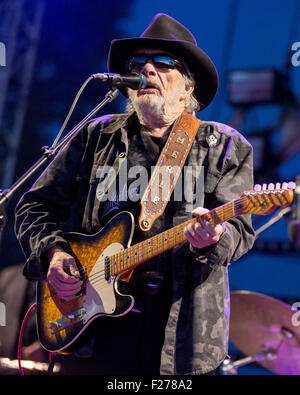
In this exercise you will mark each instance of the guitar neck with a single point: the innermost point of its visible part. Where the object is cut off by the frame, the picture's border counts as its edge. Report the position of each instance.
(145, 250)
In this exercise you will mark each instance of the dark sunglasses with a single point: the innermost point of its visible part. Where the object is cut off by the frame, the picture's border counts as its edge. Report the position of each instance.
(160, 61)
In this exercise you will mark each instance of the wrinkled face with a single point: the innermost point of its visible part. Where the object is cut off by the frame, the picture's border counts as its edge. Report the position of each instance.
(166, 90)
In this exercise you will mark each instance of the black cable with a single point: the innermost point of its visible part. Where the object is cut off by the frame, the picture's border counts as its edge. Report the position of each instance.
(71, 110)
(51, 363)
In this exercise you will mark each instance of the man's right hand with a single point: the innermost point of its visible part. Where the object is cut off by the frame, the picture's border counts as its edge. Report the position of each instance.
(63, 273)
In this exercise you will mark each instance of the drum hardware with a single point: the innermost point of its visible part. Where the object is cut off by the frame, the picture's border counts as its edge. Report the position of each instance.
(230, 367)
(263, 328)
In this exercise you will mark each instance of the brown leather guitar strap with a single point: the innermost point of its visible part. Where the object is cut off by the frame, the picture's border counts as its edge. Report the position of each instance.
(167, 169)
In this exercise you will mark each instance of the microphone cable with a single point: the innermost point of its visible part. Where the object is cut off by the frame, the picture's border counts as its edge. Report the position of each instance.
(51, 359)
(71, 110)
(51, 354)
(21, 337)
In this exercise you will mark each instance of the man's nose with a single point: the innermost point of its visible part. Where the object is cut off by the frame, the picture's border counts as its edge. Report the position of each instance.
(149, 68)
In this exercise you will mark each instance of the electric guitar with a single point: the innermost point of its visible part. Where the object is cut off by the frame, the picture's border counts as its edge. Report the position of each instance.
(105, 258)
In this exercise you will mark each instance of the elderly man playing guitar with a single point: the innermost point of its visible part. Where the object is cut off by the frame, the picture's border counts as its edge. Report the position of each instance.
(160, 306)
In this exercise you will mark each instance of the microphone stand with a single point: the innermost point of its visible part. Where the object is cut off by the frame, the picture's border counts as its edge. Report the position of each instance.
(280, 214)
(48, 155)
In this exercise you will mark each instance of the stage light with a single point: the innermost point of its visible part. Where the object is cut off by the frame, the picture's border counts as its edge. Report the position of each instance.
(257, 86)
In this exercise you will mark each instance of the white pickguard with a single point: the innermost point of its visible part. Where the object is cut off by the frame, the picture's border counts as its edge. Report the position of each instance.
(100, 295)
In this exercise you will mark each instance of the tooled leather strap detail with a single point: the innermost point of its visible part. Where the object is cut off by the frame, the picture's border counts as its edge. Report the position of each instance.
(167, 169)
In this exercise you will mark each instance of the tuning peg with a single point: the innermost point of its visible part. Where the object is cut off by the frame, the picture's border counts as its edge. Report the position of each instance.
(284, 185)
(257, 187)
(278, 185)
(271, 186)
(264, 187)
(291, 185)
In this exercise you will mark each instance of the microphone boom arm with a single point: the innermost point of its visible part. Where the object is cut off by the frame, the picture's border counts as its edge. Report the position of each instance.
(49, 153)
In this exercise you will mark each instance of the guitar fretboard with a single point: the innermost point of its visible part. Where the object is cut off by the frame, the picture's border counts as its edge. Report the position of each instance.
(145, 250)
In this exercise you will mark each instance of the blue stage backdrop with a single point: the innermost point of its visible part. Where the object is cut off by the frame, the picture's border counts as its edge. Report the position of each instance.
(237, 35)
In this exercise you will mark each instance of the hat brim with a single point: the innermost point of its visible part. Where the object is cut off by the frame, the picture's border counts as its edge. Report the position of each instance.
(199, 64)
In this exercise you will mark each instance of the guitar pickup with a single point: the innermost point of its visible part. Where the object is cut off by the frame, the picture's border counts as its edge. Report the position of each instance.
(107, 268)
(66, 320)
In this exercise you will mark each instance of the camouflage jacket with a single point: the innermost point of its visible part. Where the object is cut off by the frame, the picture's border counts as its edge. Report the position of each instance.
(196, 334)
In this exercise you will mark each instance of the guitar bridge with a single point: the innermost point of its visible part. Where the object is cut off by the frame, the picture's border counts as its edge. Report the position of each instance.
(66, 320)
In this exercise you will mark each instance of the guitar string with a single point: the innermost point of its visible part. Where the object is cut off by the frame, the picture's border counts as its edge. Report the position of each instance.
(136, 252)
(238, 204)
(226, 208)
(142, 248)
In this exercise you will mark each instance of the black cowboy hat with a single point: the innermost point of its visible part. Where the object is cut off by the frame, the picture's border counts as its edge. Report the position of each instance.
(167, 34)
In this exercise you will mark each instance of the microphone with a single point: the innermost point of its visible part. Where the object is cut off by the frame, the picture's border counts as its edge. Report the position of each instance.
(294, 225)
(134, 81)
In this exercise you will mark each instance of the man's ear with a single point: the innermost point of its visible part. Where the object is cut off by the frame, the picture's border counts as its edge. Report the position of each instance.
(190, 90)
(187, 92)
(189, 86)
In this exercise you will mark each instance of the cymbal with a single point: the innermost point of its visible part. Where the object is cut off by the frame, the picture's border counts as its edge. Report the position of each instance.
(260, 323)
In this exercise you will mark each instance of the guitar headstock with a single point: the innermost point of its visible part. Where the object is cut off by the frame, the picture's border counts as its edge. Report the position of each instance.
(264, 199)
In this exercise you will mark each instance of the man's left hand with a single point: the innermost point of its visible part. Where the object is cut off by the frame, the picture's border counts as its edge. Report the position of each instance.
(204, 234)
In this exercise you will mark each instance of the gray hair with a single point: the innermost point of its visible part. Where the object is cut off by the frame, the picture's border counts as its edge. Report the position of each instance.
(191, 103)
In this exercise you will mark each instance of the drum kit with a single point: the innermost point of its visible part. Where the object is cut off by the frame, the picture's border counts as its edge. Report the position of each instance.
(267, 331)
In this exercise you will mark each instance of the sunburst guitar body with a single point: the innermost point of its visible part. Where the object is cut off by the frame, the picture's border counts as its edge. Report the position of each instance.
(61, 322)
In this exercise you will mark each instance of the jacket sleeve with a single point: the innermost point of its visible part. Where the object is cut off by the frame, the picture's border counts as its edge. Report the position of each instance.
(42, 211)
(235, 177)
